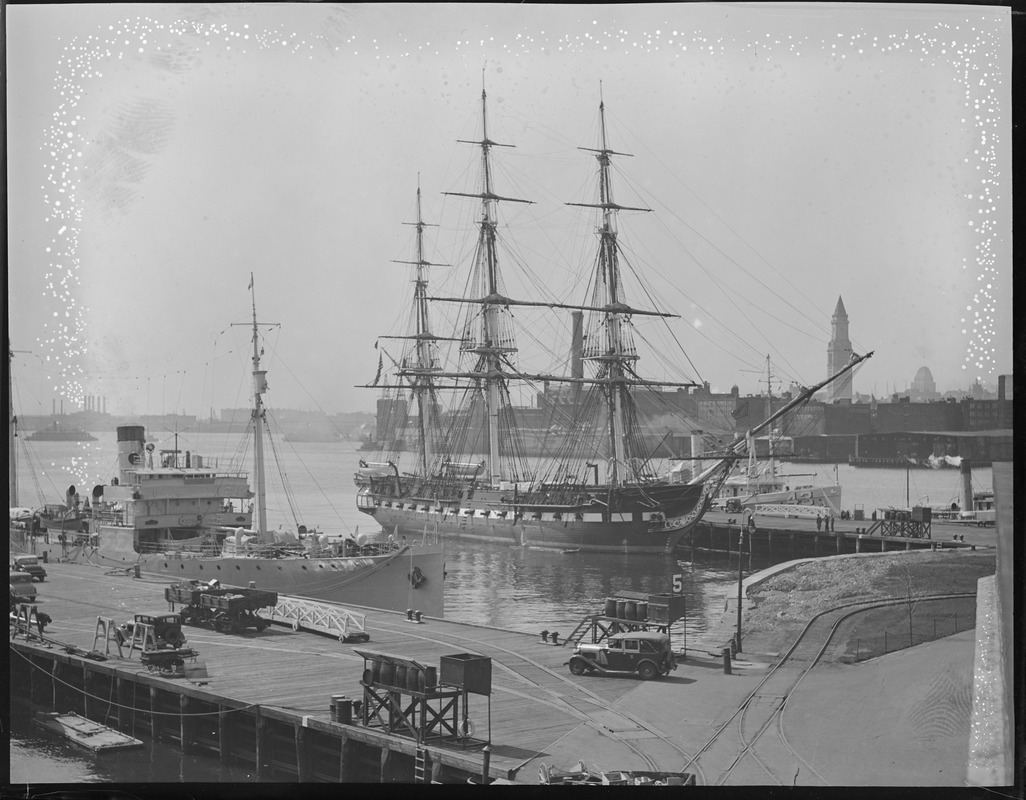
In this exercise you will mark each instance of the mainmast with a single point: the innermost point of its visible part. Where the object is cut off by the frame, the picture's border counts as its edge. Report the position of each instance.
(492, 342)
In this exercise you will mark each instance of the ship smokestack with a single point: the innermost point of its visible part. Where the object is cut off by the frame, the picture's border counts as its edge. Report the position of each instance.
(577, 345)
(967, 485)
(131, 448)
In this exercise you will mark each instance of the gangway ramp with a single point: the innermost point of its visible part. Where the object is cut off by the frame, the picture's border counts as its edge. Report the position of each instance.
(303, 614)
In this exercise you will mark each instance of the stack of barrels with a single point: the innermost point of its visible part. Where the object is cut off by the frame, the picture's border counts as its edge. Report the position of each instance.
(622, 608)
(402, 676)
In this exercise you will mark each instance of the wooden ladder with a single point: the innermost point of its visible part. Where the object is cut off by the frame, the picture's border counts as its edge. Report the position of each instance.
(420, 766)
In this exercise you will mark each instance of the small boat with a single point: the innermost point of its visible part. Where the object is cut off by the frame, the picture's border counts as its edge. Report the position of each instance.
(582, 776)
(86, 733)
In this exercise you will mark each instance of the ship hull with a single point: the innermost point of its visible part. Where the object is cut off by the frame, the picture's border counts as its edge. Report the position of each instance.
(490, 517)
(381, 581)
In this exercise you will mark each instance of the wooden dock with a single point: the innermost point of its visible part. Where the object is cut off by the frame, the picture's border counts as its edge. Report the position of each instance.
(798, 537)
(265, 698)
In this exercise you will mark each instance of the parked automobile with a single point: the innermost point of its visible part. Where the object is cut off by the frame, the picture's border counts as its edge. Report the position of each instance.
(22, 588)
(31, 565)
(645, 652)
(167, 629)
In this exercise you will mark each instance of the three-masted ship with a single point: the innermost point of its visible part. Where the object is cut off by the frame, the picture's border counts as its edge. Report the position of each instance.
(599, 490)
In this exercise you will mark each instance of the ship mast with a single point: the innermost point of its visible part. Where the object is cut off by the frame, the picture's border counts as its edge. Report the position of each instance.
(258, 417)
(259, 387)
(613, 349)
(492, 343)
(426, 360)
(12, 450)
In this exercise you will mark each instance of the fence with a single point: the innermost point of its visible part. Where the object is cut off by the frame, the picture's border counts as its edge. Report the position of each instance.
(895, 628)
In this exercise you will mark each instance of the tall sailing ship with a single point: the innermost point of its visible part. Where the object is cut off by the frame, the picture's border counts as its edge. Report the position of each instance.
(472, 478)
(177, 516)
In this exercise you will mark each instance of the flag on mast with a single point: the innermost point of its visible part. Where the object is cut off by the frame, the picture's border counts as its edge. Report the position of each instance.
(250, 282)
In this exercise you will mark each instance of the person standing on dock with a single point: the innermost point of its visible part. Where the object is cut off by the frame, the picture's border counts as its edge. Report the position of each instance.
(819, 522)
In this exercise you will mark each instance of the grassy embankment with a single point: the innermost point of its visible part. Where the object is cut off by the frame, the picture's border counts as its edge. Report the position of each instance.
(780, 607)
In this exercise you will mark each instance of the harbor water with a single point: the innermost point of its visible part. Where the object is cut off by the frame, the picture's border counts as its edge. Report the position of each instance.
(509, 587)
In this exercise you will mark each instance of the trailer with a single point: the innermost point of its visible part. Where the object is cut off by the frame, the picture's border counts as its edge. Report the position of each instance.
(227, 609)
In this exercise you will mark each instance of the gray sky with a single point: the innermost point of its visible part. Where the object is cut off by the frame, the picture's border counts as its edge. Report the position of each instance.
(791, 153)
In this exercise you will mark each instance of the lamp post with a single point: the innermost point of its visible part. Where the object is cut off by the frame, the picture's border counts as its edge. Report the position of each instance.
(740, 545)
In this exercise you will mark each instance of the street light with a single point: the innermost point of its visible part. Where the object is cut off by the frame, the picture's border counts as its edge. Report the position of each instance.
(740, 545)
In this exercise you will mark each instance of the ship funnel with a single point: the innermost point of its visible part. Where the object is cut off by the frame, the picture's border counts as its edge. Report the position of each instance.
(967, 485)
(131, 444)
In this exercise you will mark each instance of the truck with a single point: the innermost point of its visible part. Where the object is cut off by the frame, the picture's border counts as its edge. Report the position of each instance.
(31, 565)
(226, 609)
(646, 653)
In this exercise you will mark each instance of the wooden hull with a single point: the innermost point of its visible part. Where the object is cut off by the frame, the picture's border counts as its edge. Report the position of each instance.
(85, 733)
(489, 516)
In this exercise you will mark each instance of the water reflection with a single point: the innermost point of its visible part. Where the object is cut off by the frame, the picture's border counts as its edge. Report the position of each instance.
(529, 590)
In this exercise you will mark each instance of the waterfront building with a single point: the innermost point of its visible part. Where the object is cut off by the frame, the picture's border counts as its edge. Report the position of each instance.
(923, 386)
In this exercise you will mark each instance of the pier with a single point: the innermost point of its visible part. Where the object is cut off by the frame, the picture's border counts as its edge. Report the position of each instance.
(281, 699)
(798, 537)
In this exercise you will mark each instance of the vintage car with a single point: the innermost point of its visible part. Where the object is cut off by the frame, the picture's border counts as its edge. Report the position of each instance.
(167, 629)
(647, 653)
(22, 589)
(31, 565)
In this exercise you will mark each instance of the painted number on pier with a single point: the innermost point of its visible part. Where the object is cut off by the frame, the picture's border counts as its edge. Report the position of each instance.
(678, 583)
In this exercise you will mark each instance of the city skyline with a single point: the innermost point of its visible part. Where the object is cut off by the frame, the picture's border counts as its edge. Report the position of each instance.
(164, 153)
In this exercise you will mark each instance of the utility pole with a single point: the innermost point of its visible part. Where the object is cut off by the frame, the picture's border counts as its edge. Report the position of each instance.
(740, 545)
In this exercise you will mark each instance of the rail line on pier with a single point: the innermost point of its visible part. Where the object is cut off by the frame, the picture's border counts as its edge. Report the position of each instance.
(763, 709)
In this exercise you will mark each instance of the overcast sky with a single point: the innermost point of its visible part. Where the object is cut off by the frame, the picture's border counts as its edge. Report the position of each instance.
(791, 154)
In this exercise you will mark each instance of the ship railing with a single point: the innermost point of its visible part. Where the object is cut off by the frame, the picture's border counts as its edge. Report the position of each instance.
(185, 549)
(320, 617)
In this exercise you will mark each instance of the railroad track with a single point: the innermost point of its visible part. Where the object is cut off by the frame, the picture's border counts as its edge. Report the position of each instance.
(556, 686)
(751, 746)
